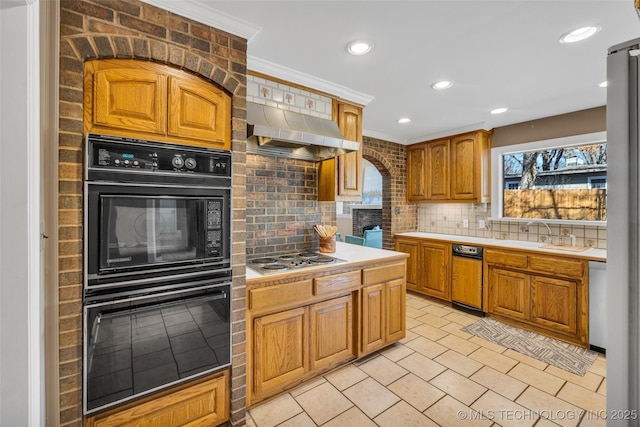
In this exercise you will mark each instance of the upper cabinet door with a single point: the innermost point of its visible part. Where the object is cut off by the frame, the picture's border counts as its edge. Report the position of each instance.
(464, 167)
(455, 169)
(416, 172)
(438, 170)
(146, 100)
(131, 99)
(340, 179)
(199, 110)
(350, 174)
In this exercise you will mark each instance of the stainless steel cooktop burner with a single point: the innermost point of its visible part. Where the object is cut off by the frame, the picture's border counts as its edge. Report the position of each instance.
(280, 263)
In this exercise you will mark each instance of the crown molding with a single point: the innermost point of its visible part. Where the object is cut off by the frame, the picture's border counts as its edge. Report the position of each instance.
(205, 14)
(449, 132)
(384, 137)
(290, 75)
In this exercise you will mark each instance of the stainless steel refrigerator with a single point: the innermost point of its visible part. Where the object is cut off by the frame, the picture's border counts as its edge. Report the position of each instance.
(623, 214)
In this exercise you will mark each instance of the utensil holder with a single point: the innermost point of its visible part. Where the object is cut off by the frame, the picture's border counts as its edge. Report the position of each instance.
(328, 244)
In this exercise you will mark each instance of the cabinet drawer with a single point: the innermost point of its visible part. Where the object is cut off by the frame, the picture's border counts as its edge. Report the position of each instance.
(206, 403)
(383, 274)
(337, 282)
(280, 295)
(557, 266)
(511, 259)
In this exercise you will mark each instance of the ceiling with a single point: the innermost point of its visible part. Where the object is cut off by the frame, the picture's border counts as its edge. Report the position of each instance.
(496, 53)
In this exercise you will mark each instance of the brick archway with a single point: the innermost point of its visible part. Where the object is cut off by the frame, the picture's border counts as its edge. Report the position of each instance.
(88, 47)
(390, 160)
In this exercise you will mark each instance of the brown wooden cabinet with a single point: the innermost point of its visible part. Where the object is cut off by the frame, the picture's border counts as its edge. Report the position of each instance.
(428, 266)
(205, 403)
(454, 169)
(438, 170)
(544, 293)
(435, 265)
(508, 293)
(554, 303)
(373, 318)
(280, 349)
(147, 100)
(303, 324)
(416, 176)
(331, 332)
(383, 306)
(341, 178)
(412, 248)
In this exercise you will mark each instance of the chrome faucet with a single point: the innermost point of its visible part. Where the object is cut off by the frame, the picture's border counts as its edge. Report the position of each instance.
(526, 228)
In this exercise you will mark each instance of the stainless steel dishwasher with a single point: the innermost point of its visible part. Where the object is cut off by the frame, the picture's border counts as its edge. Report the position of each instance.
(466, 278)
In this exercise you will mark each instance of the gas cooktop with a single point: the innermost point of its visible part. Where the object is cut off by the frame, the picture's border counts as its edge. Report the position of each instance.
(287, 262)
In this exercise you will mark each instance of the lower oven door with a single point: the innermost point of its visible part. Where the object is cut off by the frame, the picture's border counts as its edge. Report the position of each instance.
(141, 344)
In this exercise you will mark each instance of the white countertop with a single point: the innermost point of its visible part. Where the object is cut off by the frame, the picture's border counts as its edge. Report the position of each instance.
(345, 251)
(591, 253)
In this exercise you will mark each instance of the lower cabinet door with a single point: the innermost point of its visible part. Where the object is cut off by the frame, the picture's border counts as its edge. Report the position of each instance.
(280, 349)
(509, 293)
(435, 270)
(331, 332)
(395, 307)
(554, 304)
(203, 404)
(373, 317)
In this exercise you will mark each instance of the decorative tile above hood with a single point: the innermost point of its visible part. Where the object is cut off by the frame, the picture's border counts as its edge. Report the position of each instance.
(278, 132)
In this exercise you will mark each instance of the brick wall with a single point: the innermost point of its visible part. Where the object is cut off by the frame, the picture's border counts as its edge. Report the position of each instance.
(391, 160)
(132, 29)
(364, 217)
(282, 205)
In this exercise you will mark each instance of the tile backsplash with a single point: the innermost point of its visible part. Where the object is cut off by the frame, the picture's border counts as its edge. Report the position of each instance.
(448, 218)
(267, 92)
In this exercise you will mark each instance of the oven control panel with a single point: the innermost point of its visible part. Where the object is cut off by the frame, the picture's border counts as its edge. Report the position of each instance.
(106, 151)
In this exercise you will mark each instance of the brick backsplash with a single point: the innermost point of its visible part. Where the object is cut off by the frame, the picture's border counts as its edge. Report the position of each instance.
(447, 218)
(282, 205)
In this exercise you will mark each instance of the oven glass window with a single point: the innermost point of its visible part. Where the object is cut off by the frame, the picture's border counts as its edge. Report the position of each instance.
(135, 347)
(143, 231)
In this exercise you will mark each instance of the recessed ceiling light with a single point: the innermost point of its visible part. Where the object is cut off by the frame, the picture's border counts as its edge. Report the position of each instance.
(498, 110)
(579, 34)
(359, 47)
(441, 85)
(404, 120)
(603, 84)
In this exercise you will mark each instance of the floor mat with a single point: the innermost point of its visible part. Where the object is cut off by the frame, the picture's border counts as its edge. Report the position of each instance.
(569, 357)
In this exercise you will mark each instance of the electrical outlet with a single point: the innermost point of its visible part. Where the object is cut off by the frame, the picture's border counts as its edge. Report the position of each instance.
(481, 223)
(465, 223)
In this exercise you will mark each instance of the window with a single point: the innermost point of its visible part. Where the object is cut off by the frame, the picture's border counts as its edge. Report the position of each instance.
(560, 180)
(372, 188)
(597, 182)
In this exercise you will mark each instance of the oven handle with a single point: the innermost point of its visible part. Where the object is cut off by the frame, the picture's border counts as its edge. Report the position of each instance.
(154, 306)
(168, 293)
(155, 185)
(147, 280)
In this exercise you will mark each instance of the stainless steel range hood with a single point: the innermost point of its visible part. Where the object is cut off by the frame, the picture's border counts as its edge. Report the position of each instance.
(278, 132)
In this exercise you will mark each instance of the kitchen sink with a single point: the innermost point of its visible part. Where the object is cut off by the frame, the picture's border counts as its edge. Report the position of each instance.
(567, 248)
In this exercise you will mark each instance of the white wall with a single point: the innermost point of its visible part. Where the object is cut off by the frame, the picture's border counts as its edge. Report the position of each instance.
(20, 330)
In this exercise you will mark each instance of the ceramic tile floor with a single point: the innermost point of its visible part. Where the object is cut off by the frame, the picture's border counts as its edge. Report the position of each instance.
(441, 376)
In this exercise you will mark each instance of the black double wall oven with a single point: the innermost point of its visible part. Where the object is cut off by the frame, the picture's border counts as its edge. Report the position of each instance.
(157, 288)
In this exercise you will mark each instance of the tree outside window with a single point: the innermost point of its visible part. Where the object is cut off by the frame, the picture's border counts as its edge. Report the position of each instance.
(559, 183)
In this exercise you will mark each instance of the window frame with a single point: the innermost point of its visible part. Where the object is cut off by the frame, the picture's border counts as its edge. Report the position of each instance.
(497, 172)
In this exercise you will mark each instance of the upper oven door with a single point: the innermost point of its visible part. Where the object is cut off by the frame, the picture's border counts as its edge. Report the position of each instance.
(137, 230)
